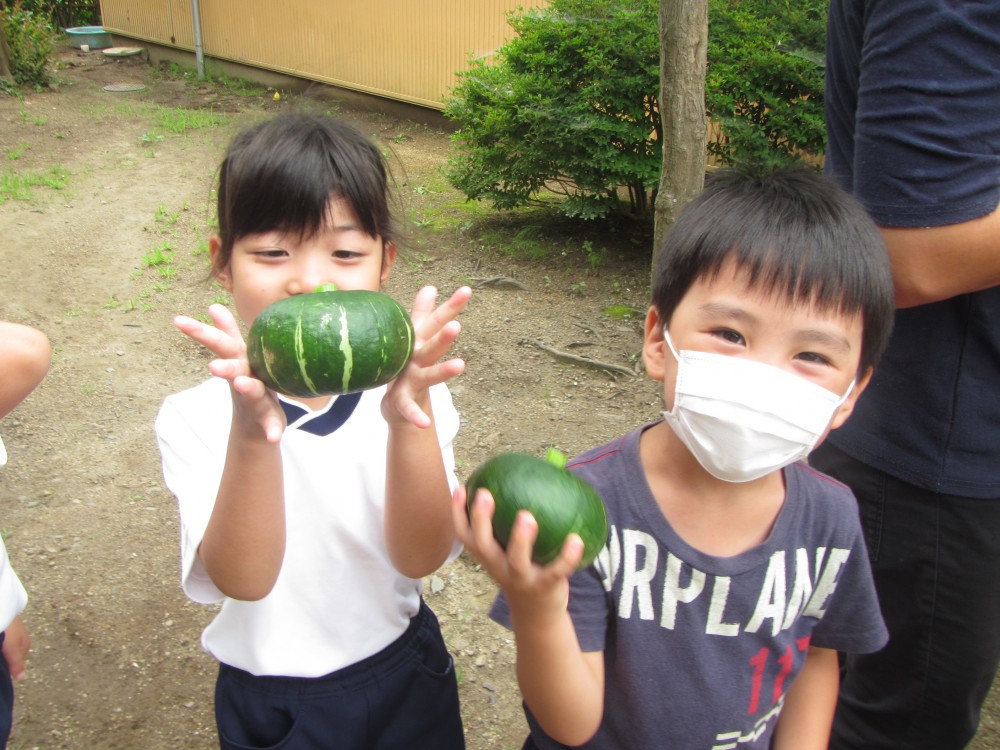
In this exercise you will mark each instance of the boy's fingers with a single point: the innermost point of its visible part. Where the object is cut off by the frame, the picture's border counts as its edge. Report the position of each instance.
(522, 540)
(459, 517)
(570, 556)
(483, 507)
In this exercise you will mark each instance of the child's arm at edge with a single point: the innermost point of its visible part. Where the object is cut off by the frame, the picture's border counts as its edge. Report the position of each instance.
(25, 354)
(16, 645)
(807, 716)
(418, 528)
(562, 685)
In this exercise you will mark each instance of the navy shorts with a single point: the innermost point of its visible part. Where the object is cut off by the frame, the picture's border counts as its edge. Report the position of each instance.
(403, 698)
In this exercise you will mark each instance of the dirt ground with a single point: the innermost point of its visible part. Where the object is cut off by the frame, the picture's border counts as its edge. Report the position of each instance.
(104, 261)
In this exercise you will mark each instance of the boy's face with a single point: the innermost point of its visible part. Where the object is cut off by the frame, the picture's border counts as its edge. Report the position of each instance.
(267, 267)
(726, 316)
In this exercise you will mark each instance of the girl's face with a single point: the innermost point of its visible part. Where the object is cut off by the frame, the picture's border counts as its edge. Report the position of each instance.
(267, 267)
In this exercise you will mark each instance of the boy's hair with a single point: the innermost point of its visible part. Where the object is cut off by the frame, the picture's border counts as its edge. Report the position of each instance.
(794, 233)
(280, 174)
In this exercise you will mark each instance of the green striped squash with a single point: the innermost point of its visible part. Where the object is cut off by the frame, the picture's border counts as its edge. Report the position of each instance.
(560, 501)
(330, 342)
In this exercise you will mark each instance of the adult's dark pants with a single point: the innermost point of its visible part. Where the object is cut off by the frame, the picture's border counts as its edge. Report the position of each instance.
(936, 562)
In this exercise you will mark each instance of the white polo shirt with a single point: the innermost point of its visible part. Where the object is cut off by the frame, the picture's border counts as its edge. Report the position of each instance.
(337, 599)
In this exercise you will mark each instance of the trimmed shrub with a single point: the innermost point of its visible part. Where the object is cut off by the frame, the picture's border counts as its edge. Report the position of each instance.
(569, 105)
(31, 40)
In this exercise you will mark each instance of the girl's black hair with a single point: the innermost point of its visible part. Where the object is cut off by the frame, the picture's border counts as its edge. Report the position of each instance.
(794, 233)
(280, 174)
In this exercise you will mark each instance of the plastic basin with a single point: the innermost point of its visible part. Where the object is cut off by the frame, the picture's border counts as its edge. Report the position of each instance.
(94, 37)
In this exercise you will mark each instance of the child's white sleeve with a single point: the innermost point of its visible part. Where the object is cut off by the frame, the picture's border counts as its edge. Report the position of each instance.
(13, 597)
(446, 422)
(192, 470)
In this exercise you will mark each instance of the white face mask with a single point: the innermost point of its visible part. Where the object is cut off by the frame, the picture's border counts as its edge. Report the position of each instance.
(743, 419)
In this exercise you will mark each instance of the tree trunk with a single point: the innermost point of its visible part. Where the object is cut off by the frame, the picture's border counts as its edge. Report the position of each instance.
(683, 54)
(5, 57)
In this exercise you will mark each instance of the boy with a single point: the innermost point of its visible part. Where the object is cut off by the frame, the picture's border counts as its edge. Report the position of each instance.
(733, 573)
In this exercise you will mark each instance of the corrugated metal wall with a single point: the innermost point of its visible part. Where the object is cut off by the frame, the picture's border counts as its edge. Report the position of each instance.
(402, 49)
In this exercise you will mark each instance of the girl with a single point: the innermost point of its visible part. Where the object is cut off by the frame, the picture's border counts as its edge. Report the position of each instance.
(312, 520)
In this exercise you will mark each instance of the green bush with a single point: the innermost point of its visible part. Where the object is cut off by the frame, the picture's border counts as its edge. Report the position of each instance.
(63, 13)
(30, 36)
(569, 105)
(764, 84)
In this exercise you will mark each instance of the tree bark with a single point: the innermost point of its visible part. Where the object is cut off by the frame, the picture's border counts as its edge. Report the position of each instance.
(683, 57)
(5, 57)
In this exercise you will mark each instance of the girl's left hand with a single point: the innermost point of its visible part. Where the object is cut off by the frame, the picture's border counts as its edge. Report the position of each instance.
(436, 330)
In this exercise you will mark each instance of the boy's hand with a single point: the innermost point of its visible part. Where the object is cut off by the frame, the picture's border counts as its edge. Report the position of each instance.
(253, 404)
(531, 589)
(436, 329)
(16, 644)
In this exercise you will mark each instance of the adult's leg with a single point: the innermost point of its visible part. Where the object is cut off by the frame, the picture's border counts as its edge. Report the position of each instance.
(936, 562)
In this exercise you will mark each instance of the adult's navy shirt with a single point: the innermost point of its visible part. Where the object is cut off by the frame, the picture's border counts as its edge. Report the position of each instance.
(913, 120)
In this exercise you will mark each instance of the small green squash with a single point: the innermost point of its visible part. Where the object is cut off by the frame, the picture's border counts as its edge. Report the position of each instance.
(330, 342)
(560, 501)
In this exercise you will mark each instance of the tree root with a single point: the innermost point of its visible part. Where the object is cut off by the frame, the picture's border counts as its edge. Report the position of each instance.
(586, 361)
(499, 281)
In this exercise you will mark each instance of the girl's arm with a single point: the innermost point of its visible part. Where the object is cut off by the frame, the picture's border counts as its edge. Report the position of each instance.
(25, 354)
(806, 719)
(418, 527)
(244, 543)
(562, 685)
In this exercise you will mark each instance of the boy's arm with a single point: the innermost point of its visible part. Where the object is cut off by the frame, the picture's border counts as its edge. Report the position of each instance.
(807, 716)
(25, 354)
(418, 528)
(562, 685)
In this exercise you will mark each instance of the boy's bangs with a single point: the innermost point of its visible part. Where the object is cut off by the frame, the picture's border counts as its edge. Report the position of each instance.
(803, 276)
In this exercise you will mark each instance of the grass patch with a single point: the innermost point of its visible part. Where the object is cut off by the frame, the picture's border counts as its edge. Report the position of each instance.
(180, 121)
(19, 187)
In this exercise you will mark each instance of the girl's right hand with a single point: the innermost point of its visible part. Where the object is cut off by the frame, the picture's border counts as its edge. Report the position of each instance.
(542, 590)
(254, 406)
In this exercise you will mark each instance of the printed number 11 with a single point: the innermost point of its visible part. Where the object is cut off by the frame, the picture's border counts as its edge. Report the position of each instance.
(759, 663)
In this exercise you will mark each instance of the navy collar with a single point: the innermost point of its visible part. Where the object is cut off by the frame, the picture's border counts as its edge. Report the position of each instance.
(329, 421)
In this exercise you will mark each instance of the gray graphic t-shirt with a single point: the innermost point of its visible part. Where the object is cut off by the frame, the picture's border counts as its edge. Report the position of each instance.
(701, 650)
